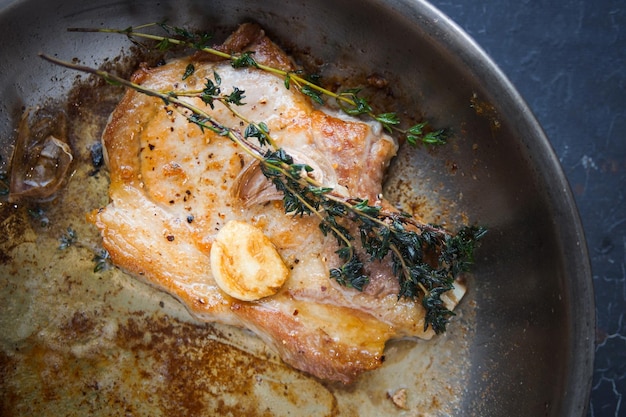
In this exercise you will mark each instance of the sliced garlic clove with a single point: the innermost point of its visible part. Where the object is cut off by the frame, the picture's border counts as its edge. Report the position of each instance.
(41, 159)
(245, 263)
(252, 187)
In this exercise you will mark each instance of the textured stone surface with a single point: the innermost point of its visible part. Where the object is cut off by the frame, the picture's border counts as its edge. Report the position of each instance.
(568, 60)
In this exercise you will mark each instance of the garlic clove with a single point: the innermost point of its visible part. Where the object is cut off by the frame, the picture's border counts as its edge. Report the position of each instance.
(252, 187)
(245, 263)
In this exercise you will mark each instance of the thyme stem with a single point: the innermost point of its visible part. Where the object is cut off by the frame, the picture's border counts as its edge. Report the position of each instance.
(352, 103)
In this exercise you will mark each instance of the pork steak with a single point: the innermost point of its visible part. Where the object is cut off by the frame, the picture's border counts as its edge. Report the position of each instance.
(173, 186)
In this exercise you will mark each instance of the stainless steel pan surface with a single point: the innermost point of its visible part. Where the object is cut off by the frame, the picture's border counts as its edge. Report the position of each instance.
(79, 340)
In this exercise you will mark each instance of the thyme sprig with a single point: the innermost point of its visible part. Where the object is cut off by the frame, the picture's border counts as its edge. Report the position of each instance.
(426, 259)
(350, 101)
(101, 256)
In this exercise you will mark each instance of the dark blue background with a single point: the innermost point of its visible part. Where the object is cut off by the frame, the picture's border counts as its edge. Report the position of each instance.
(568, 60)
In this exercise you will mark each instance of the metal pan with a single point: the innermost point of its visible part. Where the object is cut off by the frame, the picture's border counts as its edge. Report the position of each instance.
(75, 341)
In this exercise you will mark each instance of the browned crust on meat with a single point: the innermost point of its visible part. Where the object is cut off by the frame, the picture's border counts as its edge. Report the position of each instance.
(319, 353)
(251, 37)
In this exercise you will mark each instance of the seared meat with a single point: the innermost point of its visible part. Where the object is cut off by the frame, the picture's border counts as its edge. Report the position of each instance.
(173, 187)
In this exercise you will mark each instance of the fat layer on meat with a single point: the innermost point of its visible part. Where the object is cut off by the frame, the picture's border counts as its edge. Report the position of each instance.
(173, 186)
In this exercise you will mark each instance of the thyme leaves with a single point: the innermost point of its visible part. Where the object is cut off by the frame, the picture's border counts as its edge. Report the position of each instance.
(68, 239)
(102, 261)
(189, 71)
(101, 258)
(421, 133)
(243, 60)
